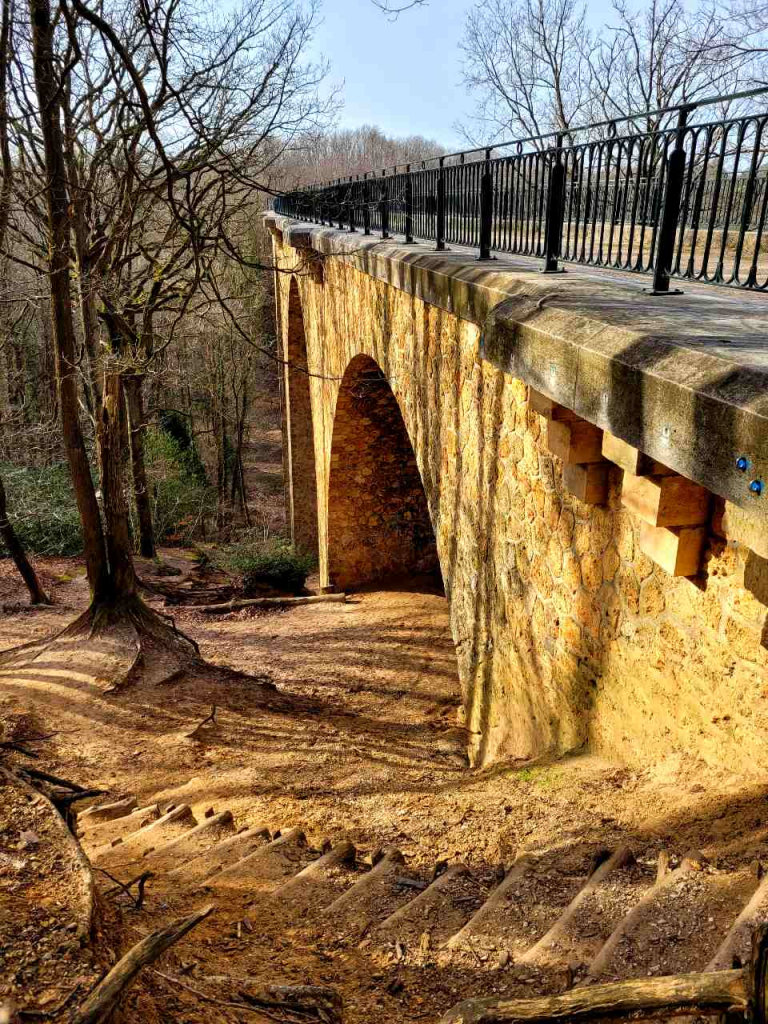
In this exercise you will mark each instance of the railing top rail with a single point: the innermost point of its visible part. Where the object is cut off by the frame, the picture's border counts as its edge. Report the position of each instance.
(484, 151)
(675, 198)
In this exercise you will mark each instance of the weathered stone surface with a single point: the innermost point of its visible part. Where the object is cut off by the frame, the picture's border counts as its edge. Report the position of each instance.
(566, 633)
(746, 528)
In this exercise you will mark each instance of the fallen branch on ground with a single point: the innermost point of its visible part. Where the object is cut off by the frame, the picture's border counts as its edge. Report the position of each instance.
(715, 993)
(125, 887)
(269, 602)
(104, 997)
(211, 718)
(54, 780)
(8, 745)
(324, 1004)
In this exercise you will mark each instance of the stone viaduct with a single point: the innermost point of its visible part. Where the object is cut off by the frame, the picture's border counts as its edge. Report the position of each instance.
(586, 464)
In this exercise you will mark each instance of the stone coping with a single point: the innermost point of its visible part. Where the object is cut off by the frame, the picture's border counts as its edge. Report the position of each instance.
(684, 378)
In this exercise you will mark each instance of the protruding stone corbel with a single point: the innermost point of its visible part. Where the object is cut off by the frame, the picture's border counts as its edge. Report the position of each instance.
(631, 459)
(677, 551)
(578, 444)
(673, 513)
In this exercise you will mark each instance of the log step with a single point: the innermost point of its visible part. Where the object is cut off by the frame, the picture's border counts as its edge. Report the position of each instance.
(221, 855)
(737, 943)
(585, 925)
(194, 841)
(107, 812)
(372, 898)
(265, 868)
(440, 911)
(320, 882)
(678, 926)
(172, 824)
(524, 907)
(95, 834)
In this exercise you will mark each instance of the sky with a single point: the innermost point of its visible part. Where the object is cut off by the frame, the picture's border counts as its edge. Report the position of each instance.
(403, 76)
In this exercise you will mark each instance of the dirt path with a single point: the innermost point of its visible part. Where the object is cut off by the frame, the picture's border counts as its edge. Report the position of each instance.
(354, 738)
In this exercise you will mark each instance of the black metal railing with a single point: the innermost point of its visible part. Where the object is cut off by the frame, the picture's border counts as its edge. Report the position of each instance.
(680, 199)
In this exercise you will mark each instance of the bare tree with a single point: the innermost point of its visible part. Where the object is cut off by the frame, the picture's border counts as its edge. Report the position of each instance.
(393, 9)
(527, 63)
(660, 55)
(157, 124)
(351, 151)
(15, 548)
(536, 67)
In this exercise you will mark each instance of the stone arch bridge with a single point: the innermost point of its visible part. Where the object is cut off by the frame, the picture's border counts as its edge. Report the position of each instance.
(586, 466)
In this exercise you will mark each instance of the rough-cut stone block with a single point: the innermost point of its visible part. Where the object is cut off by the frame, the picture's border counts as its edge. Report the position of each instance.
(746, 529)
(631, 460)
(575, 441)
(588, 481)
(666, 500)
(548, 407)
(677, 551)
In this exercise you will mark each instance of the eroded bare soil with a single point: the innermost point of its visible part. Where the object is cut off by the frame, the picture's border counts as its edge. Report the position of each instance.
(357, 740)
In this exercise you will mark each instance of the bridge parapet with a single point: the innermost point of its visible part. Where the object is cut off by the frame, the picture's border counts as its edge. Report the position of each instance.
(595, 465)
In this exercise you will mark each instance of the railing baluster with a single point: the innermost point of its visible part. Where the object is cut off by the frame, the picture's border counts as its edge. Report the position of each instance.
(408, 205)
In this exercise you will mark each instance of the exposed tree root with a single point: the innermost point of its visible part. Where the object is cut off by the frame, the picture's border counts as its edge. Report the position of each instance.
(122, 641)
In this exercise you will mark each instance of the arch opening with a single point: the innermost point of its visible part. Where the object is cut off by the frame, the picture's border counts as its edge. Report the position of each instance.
(379, 527)
(302, 471)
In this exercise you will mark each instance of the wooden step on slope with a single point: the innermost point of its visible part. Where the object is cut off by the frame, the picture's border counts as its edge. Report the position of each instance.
(604, 900)
(372, 898)
(263, 870)
(221, 854)
(737, 944)
(138, 844)
(107, 811)
(196, 840)
(100, 833)
(320, 882)
(437, 913)
(679, 925)
(524, 906)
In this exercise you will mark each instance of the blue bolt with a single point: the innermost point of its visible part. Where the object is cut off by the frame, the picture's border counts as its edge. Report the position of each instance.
(742, 464)
(756, 487)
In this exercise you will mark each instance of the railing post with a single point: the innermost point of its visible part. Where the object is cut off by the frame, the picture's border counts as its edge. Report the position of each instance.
(366, 207)
(555, 212)
(408, 205)
(340, 201)
(440, 226)
(486, 209)
(351, 207)
(670, 212)
(384, 206)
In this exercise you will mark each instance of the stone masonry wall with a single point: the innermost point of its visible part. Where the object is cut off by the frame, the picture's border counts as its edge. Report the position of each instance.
(302, 482)
(566, 633)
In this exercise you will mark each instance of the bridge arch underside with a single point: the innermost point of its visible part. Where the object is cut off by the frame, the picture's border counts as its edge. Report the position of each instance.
(379, 526)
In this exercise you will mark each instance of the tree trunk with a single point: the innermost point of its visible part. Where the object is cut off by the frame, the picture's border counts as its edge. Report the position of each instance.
(112, 432)
(134, 399)
(57, 201)
(36, 593)
(222, 463)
